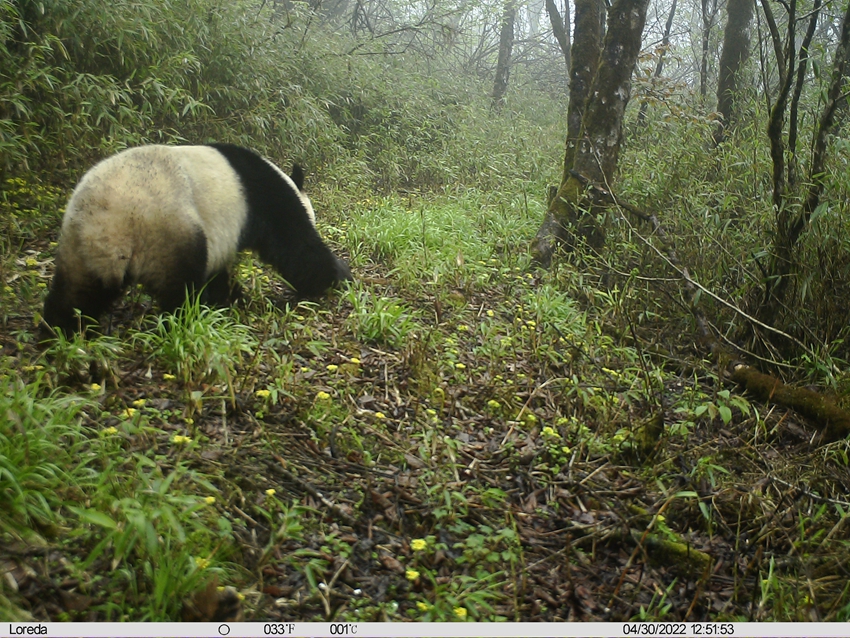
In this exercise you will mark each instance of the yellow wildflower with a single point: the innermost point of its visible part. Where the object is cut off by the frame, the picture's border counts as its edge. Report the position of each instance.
(270, 491)
(322, 396)
(411, 574)
(418, 544)
(179, 439)
(461, 612)
(422, 606)
(263, 394)
(168, 377)
(332, 367)
(209, 500)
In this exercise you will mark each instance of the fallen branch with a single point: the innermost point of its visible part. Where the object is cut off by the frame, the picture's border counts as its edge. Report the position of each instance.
(831, 420)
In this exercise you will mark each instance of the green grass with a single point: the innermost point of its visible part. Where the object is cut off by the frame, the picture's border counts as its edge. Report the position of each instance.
(67, 481)
(474, 413)
(199, 345)
(45, 456)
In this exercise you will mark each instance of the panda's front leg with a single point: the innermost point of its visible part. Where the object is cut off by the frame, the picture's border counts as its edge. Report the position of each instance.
(221, 290)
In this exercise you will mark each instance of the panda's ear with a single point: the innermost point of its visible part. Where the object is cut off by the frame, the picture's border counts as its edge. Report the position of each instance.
(298, 176)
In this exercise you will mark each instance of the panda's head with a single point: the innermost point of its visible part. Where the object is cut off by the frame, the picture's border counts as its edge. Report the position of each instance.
(343, 272)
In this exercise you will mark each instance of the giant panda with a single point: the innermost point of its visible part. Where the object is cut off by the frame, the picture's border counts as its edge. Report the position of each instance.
(174, 218)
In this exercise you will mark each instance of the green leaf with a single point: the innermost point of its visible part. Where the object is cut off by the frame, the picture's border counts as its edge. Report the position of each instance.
(820, 210)
(95, 517)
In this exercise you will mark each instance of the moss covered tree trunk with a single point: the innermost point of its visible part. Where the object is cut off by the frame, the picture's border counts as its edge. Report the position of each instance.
(587, 46)
(572, 214)
(736, 50)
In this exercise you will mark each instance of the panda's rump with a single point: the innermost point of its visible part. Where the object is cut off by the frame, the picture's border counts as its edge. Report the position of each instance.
(130, 221)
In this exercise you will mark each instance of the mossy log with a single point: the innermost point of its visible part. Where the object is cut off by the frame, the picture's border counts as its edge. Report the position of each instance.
(666, 548)
(831, 420)
(678, 556)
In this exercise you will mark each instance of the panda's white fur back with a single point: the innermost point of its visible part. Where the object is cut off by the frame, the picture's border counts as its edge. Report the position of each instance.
(125, 206)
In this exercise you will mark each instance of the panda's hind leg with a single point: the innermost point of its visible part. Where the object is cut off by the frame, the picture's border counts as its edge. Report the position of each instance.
(221, 290)
(183, 269)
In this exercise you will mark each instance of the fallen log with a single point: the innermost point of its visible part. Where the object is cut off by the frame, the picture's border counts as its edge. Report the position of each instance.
(832, 421)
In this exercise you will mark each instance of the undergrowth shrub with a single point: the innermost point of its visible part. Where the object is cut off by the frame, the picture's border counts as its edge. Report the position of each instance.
(81, 80)
(199, 344)
(715, 204)
(379, 319)
(43, 454)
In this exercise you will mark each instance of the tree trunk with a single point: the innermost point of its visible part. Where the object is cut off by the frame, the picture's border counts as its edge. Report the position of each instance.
(560, 27)
(665, 42)
(506, 45)
(533, 10)
(736, 50)
(571, 217)
(709, 10)
(792, 221)
(802, 68)
(587, 44)
(843, 107)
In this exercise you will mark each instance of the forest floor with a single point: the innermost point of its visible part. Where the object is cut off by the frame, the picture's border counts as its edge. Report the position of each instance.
(456, 435)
